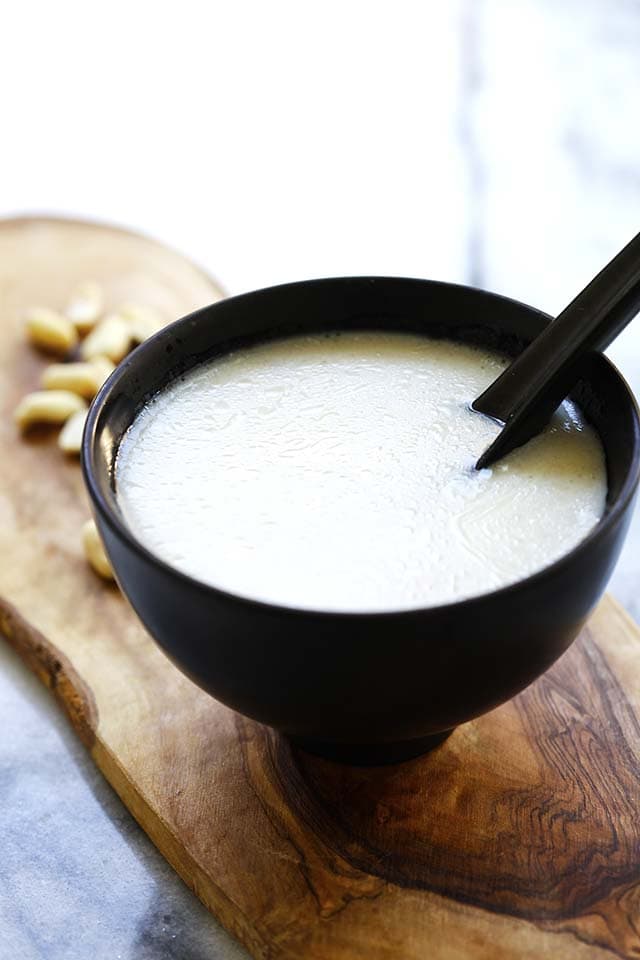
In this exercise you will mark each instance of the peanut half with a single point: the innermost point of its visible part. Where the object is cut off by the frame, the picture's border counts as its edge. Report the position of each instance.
(85, 306)
(50, 331)
(94, 551)
(143, 321)
(47, 406)
(110, 338)
(70, 437)
(84, 379)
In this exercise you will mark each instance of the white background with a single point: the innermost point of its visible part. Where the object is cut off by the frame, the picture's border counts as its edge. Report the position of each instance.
(282, 140)
(269, 140)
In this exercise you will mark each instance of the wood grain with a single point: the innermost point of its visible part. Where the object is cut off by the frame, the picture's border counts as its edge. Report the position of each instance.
(518, 837)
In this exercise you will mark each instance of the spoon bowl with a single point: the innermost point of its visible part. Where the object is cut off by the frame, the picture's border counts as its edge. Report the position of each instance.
(360, 687)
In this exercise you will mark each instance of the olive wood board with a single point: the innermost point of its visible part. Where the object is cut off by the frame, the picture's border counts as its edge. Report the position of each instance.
(518, 837)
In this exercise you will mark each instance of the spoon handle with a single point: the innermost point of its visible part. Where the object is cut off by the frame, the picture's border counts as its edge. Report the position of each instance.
(527, 393)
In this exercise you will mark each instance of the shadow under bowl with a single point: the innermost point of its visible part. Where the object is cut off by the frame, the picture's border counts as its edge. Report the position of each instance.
(363, 688)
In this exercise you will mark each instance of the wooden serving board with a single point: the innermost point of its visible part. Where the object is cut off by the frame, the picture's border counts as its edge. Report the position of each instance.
(519, 837)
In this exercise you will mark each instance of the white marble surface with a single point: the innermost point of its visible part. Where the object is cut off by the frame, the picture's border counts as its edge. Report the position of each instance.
(487, 141)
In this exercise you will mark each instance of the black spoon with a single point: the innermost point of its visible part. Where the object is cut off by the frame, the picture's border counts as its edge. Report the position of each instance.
(527, 393)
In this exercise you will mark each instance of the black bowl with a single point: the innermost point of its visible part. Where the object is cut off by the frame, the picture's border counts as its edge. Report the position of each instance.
(356, 686)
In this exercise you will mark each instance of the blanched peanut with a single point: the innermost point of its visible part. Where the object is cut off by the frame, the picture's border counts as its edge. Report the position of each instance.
(47, 406)
(50, 331)
(104, 366)
(70, 437)
(94, 551)
(84, 379)
(110, 338)
(85, 306)
(143, 321)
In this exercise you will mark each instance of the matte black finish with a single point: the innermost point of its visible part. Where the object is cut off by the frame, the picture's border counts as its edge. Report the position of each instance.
(527, 393)
(354, 685)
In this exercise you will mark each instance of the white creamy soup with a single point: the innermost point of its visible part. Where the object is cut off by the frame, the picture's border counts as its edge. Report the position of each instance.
(336, 472)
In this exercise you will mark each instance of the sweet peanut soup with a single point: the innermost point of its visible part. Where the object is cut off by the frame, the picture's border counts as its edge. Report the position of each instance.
(336, 472)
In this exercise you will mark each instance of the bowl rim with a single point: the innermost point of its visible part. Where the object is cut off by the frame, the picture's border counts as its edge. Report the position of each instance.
(119, 527)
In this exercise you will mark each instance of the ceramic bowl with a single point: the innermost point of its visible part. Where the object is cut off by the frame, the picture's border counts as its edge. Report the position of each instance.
(360, 687)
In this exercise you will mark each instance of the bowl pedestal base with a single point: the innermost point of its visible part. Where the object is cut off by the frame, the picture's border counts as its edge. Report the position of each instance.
(370, 754)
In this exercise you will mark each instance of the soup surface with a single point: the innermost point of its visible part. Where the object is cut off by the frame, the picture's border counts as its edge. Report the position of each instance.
(336, 472)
